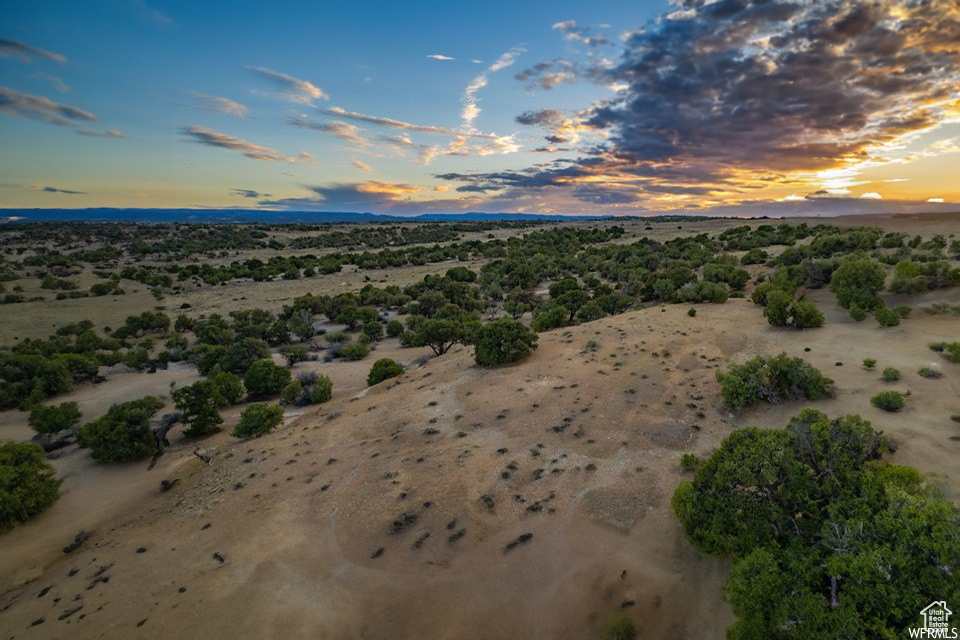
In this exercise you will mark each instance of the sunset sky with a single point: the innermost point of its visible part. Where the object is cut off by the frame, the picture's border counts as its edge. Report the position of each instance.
(609, 107)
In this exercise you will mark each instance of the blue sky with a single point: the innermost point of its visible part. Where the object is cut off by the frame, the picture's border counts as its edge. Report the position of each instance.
(555, 107)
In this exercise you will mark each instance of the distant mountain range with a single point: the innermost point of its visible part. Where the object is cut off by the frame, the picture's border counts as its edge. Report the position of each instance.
(259, 215)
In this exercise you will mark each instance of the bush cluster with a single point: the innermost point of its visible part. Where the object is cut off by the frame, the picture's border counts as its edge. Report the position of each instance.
(773, 379)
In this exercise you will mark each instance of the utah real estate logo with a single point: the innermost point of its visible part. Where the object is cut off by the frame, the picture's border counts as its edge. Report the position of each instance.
(935, 622)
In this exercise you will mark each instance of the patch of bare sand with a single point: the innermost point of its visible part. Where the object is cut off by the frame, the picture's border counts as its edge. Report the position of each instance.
(403, 512)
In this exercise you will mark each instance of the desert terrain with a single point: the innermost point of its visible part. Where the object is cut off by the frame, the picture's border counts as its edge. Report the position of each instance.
(530, 500)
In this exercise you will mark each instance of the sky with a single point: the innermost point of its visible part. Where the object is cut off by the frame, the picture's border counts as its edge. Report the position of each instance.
(733, 107)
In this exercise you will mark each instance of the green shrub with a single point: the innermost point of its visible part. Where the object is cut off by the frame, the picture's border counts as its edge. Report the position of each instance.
(858, 281)
(550, 317)
(123, 433)
(291, 392)
(955, 417)
(745, 501)
(394, 328)
(689, 462)
(373, 330)
(238, 357)
(888, 400)
(321, 391)
(692, 312)
(257, 419)
(887, 317)
(27, 484)
(198, 404)
(772, 379)
(806, 315)
(950, 350)
(338, 337)
(295, 353)
(382, 369)
(227, 388)
(857, 313)
(53, 419)
(264, 378)
(356, 350)
(890, 374)
(503, 341)
(869, 363)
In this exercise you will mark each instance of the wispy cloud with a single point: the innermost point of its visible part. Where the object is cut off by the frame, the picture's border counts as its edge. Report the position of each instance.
(437, 56)
(220, 105)
(363, 166)
(337, 128)
(212, 138)
(293, 89)
(15, 103)
(358, 196)
(471, 108)
(25, 52)
(109, 133)
(573, 31)
(149, 14)
(56, 81)
(393, 123)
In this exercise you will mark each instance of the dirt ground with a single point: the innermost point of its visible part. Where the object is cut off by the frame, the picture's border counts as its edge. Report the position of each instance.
(404, 510)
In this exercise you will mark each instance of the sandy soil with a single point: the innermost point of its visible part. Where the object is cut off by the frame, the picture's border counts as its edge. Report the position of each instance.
(404, 510)
(446, 466)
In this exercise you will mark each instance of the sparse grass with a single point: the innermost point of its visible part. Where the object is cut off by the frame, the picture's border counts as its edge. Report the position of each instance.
(620, 627)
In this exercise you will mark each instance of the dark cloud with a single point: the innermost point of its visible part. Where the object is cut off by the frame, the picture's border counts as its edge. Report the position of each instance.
(540, 117)
(719, 97)
(14, 49)
(249, 193)
(66, 191)
(372, 195)
(15, 103)
(603, 194)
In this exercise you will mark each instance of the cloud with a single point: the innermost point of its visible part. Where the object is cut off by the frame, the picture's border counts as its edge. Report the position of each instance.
(25, 52)
(541, 117)
(871, 196)
(305, 157)
(249, 193)
(15, 103)
(934, 199)
(730, 97)
(471, 108)
(56, 81)
(220, 105)
(293, 89)
(212, 138)
(359, 196)
(363, 166)
(56, 190)
(437, 56)
(339, 112)
(572, 31)
(337, 128)
(549, 74)
(109, 133)
(149, 14)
